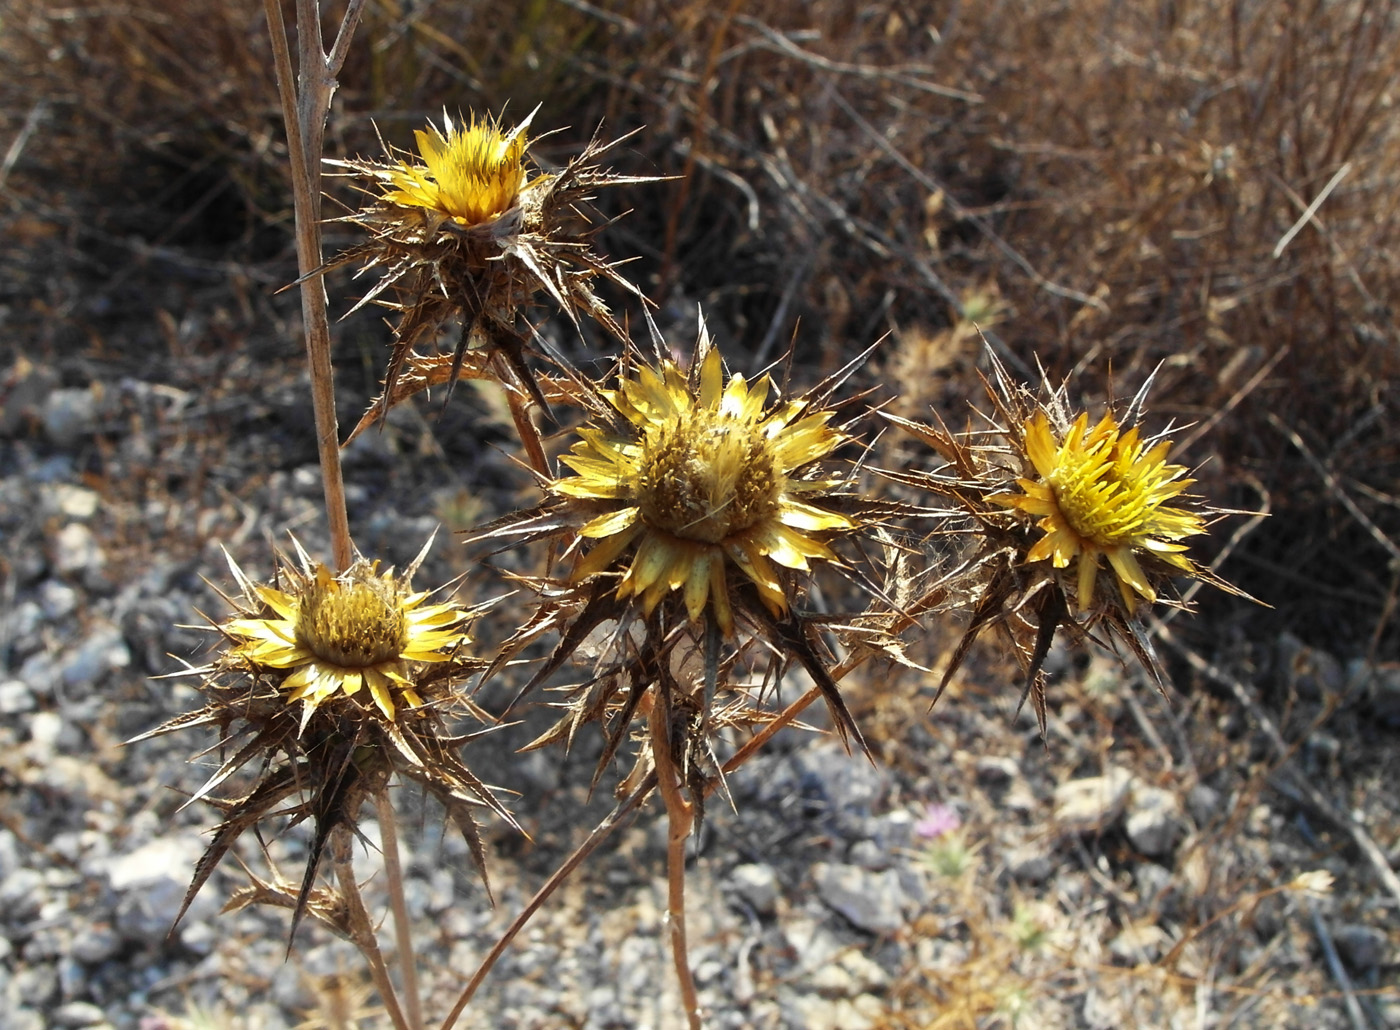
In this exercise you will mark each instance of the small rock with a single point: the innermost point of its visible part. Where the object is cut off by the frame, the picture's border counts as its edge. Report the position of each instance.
(35, 985)
(22, 895)
(45, 731)
(1030, 863)
(868, 855)
(95, 943)
(873, 901)
(57, 599)
(21, 1019)
(40, 673)
(22, 623)
(812, 1012)
(1151, 879)
(1139, 943)
(1364, 947)
(76, 502)
(850, 975)
(77, 1014)
(69, 415)
(1092, 804)
(1154, 820)
(1203, 803)
(104, 650)
(757, 884)
(997, 770)
(76, 551)
(1383, 694)
(16, 697)
(838, 786)
(151, 882)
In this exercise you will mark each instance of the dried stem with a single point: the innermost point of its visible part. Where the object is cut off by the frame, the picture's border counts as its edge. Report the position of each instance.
(361, 929)
(403, 930)
(680, 820)
(306, 102)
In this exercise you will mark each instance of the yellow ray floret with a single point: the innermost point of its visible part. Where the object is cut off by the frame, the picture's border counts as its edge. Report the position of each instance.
(470, 173)
(1101, 492)
(337, 634)
(707, 480)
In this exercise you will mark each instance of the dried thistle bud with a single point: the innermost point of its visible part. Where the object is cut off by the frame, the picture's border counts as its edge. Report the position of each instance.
(1042, 491)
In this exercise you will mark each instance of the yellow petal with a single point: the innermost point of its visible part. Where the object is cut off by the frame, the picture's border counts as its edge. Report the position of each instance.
(603, 554)
(609, 523)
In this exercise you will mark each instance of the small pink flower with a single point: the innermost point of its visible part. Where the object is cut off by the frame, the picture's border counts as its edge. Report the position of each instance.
(938, 820)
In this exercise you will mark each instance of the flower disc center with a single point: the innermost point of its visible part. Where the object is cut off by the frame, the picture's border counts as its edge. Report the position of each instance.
(354, 625)
(1101, 507)
(707, 476)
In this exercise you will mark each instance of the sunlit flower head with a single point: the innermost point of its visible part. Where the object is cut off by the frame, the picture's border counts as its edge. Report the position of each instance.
(709, 477)
(1102, 492)
(335, 635)
(471, 173)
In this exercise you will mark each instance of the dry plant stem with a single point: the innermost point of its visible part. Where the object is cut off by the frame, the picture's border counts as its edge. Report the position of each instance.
(306, 102)
(403, 928)
(525, 429)
(600, 833)
(680, 819)
(361, 929)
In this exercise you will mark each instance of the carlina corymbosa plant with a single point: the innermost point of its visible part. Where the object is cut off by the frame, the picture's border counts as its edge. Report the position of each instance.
(1044, 500)
(330, 683)
(686, 533)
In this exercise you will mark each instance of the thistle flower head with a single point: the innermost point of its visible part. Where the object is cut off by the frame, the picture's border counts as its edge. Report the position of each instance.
(1102, 492)
(470, 173)
(1043, 490)
(463, 232)
(332, 635)
(698, 505)
(703, 477)
(331, 684)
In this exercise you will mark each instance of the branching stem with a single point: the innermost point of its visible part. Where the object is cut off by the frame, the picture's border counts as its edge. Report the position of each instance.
(306, 101)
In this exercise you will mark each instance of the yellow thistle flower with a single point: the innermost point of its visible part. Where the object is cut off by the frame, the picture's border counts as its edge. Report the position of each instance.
(340, 633)
(710, 477)
(470, 173)
(1102, 492)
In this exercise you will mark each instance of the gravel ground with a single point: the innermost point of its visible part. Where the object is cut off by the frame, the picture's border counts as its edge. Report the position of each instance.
(1133, 870)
